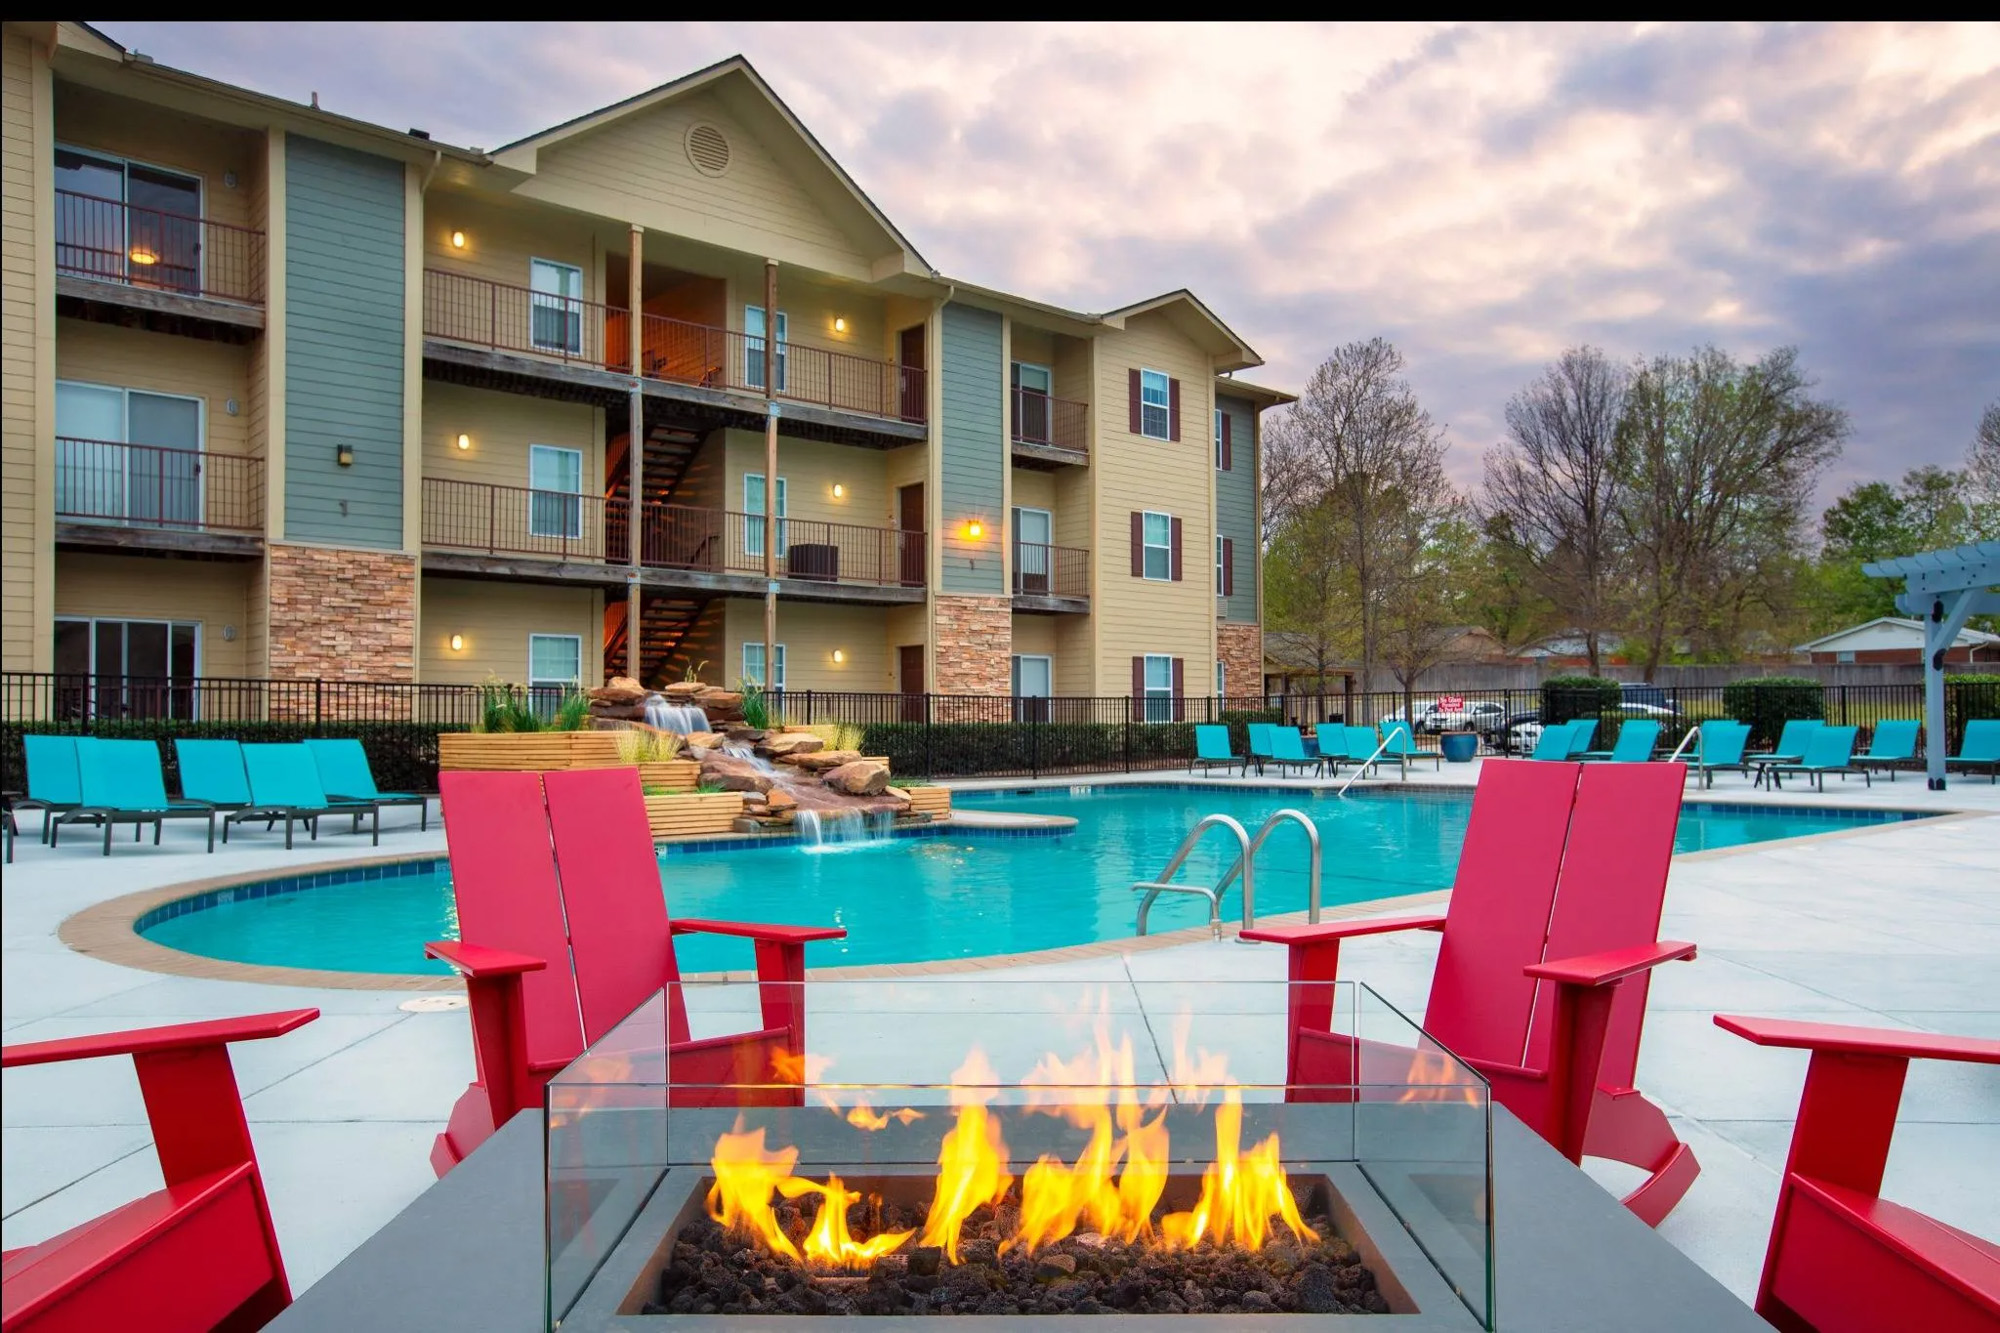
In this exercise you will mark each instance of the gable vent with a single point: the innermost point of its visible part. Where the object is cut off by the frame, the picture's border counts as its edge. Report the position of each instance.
(707, 149)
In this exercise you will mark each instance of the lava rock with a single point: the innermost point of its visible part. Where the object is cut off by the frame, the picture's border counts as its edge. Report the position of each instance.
(1055, 1266)
(925, 1260)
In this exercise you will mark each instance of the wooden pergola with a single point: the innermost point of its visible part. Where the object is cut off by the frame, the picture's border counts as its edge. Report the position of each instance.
(1942, 589)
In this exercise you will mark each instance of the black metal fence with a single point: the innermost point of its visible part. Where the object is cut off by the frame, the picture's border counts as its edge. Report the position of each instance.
(934, 735)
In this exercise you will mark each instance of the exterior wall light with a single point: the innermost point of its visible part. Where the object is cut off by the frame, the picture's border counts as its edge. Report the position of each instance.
(143, 255)
(343, 454)
(838, 490)
(974, 530)
(840, 323)
(839, 656)
(458, 240)
(464, 441)
(458, 643)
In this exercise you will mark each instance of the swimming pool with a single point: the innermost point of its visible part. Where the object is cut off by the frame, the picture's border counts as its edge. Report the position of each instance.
(949, 893)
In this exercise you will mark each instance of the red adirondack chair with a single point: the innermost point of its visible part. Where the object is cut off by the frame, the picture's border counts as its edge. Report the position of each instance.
(1842, 1257)
(1541, 979)
(200, 1253)
(564, 932)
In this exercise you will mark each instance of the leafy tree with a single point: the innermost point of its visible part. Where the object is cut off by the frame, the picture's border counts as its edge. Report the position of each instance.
(1308, 591)
(1434, 601)
(1504, 593)
(1982, 474)
(1930, 509)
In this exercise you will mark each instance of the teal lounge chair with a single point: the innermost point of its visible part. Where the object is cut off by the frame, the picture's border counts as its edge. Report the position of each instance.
(1790, 749)
(1362, 744)
(284, 784)
(53, 784)
(1634, 745)
(1260, 742)
(1288, 750)
(1830, 750)
(1720, 746)
(212, 772)
(1211, 747)
(1582, 735)
(1893, 745)
(346, 776)
(1553, 743)
(1403, 745)
(1332, 738)
(1980, 750)
(122, 783)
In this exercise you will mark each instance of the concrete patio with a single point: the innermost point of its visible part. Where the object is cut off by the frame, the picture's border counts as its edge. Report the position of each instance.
(1894, 926)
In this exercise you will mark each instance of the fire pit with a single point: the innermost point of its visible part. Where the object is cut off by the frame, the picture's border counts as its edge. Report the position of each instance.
(1129, 1170)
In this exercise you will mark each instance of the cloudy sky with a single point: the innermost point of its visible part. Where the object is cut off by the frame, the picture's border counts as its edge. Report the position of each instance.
(1483, 196)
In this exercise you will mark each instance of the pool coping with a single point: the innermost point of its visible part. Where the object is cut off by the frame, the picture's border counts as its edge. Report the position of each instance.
(108, 930)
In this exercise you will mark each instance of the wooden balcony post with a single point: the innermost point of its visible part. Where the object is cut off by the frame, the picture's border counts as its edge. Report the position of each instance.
(770, 473)
(635, 451)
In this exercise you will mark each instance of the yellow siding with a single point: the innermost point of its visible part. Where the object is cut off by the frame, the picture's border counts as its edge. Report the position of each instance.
(24, 640)
(1035, 636)
(1137, 616)
(214, 372)
(1076, 647)
(502, 426)
(637, 169)
(500, 239)
(810, 308)
(811, 632)
(215, 593)
(142, 132)
(1034, 490)
(811, 469)
(495, 620)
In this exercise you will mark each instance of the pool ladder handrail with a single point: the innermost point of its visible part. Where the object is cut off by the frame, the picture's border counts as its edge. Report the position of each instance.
(1693, 733)
(1342, 789)
(1244, 866)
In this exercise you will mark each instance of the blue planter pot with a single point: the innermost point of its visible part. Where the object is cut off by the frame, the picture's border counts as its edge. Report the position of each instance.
(1459, 746)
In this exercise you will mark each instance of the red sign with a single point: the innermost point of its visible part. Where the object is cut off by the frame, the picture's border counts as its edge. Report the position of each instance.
(1451, 703)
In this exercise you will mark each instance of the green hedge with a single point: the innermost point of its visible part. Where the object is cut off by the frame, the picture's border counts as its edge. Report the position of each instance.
(402, 755)
(1966, 697)
(970, 749)
(1767, 703)
(1565, 698)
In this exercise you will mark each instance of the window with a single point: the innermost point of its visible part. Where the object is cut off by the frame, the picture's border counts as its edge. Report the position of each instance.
(555, 309)
(753, 509)
(144, 668)
(555, 667)
(753, 347)
(556, 477)
(1159, 688)
(1155, 421)
(153, 240)
(1034, 682)
(1221, 461)
(1158, 559)
(753, 666)
(1032, 385)
(1220, 581)
(1843, 658)
(1033, 529)
(1221, 682)
(125, 456)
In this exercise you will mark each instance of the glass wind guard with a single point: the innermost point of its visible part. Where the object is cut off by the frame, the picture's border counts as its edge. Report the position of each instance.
(1047, 1117)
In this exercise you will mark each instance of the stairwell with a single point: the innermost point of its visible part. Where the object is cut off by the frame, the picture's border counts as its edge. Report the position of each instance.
(665, 621)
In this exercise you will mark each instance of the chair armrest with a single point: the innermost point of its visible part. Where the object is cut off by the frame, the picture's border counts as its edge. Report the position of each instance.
(688, 925)
(147, 1041)
(1597, 969)
(1342, 930)
(477, 961)
(1840, 1039)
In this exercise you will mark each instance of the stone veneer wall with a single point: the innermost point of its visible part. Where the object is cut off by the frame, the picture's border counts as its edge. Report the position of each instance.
(975, 645)
(342, 613)
(1241, 651)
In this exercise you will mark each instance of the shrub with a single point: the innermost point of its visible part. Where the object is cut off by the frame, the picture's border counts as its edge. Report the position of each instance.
(402, 755)
(1567, 697)
(1966, 697)
(1768, 702)
(505, 708)
(647, 747)
(839, 735)
(968, 749)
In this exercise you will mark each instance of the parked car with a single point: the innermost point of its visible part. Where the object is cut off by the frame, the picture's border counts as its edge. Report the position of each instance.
(1653, 696)
(1470, 715)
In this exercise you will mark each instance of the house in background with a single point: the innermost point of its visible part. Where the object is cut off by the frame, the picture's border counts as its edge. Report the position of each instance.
(1894, 640)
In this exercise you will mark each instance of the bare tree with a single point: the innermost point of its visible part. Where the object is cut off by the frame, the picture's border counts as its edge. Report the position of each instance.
(1554, 483)
(1361, 455)
(1716, 462)
(1982, 476)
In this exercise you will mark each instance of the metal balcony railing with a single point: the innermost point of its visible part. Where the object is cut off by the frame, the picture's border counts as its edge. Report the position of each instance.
(506, 318)
(719, 541)
(1053, 422)
(146, 486)
(117, 242)
(1051, 571)
(516, 520)
(687, 353)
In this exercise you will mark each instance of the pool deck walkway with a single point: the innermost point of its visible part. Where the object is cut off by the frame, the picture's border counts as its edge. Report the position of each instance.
(1895, 926)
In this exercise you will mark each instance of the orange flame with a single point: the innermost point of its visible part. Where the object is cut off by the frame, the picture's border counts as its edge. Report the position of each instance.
(829, 1244)
(1433, 1077)
(808, 1070)
(972, 1159)
(864, 1116)
(1239, 1191)
(746, 1176)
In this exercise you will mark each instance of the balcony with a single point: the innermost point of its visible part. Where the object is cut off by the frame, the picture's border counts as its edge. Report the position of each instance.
(1050, 432)
(113, 258)
(499, 336)
(142, 497)
(512, 532)
(1051, 578)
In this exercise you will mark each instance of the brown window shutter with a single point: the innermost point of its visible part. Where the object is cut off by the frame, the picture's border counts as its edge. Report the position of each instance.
(1133, 383)
(1138, 545)
(1138, 689)
(1180, 693)
(1228, 567)
(1227, 461)
(1173, 409)
(1176, 548)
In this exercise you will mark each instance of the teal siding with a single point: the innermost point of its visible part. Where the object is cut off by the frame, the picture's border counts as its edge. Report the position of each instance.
(975, 449)
(1236, 506)
(343, 345)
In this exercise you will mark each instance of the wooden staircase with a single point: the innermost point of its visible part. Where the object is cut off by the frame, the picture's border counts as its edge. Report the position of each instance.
(665, 619)
(669, 452)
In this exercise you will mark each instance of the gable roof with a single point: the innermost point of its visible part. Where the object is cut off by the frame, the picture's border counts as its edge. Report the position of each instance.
(1967, 638)
(1198, 322)
(743, 90)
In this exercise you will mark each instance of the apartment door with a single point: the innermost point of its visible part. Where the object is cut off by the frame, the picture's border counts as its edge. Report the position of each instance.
(910, 518)
(1034, 529)
(910, 680)
(1032, 386)
(910, 354)
(127, 456)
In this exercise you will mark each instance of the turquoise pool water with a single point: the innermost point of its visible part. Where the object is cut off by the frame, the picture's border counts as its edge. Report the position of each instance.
(940, 895)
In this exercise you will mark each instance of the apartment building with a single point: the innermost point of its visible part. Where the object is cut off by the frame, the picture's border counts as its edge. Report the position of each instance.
(292, 395)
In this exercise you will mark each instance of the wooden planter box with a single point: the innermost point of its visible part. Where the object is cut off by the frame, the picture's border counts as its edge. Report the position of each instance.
(532, 751)
(694, 815)
(932, 801)
(674, 775)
